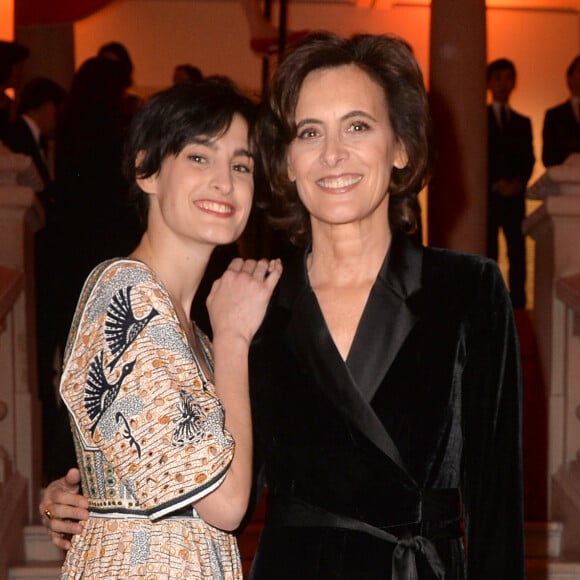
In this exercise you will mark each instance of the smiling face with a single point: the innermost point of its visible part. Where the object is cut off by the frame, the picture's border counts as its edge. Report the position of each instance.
(204, 193)
(344, 149)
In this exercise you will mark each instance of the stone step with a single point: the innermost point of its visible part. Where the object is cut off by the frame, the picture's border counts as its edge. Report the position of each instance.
(43, 559)
(35, 571)
(544, 569)
(536, 569)
(543, 539)
(39, 548)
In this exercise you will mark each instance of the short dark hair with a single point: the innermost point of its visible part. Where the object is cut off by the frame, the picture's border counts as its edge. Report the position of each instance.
(501, 64)
(175, 117)
(11, 53)
(572, 67)
(118, 52)
(193, 73)
(39, 91)
(390, 63)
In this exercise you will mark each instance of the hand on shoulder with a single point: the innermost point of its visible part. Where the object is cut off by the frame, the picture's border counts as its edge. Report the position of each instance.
(238, 300)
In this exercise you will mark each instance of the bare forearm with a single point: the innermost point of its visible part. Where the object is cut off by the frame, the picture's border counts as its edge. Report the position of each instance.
(225, 507)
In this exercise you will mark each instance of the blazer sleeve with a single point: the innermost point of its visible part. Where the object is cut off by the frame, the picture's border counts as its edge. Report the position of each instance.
(528, 157)
(556, 141)
(137, 394)
(492, 460)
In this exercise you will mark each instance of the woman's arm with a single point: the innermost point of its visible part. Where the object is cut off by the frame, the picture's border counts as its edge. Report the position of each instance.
(493, 440)
(237, 304)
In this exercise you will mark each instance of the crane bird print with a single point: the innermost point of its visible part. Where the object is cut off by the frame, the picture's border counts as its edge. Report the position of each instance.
(99, 393)
(121, 325)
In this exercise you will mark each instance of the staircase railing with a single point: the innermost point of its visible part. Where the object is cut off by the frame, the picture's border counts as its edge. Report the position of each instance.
(566, 482)
(20, 449)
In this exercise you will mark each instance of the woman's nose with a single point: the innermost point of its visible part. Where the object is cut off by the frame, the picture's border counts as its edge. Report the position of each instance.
(333, 150)
(222, 179)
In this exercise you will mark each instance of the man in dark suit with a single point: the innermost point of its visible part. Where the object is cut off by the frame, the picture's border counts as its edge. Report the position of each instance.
(561, 133)
(510, 163)
(38, 107)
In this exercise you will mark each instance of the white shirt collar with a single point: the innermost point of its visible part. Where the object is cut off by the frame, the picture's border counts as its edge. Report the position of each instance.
(34, 129)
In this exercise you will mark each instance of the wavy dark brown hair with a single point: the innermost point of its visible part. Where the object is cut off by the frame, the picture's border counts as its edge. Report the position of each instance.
(387, 60)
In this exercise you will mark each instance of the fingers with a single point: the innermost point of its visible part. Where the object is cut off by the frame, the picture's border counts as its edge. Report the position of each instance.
(73, 478)
(259, 269)
(62, 542)
(64, 512)
(274, 273)
(61, 523)
(236, 265)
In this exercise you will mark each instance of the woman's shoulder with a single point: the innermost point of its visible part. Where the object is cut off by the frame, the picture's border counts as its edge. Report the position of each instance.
(124, 275)
(459, 263)
(129, 269)
(462, 274)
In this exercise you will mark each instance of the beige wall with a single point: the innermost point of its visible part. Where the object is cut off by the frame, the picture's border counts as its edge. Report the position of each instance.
(214, 36)
(542, 43)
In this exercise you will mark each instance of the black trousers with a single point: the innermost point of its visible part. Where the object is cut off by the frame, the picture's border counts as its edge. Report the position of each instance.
(508, 213)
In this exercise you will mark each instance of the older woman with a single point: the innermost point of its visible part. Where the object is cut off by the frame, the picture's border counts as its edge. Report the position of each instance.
(385, 379)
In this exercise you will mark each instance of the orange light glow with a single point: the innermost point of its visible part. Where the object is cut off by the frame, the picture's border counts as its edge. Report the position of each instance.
(7, 19)
(505, 4)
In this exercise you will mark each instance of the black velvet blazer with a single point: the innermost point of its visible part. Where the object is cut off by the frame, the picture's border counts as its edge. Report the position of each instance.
(427, 405)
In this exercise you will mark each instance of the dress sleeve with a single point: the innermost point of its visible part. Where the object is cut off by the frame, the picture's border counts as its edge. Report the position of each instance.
(492, 465)
(137, 394)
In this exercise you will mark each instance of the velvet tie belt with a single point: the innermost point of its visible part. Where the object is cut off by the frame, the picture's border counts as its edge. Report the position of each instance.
(437, 505)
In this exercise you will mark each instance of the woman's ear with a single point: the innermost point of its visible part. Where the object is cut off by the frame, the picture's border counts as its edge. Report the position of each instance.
(147, 184)
(401, 157)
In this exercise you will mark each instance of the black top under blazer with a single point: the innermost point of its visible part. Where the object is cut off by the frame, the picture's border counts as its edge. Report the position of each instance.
(510, 150)
(406, 458)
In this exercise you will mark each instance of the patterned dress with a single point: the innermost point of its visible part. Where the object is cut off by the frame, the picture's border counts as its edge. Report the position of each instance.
(149, 435)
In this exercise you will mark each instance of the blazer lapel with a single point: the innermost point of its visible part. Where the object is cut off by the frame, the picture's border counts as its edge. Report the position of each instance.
(309, 337)
(389, 316)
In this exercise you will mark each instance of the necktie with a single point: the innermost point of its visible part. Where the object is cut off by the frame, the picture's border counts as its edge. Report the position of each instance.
(503, 115)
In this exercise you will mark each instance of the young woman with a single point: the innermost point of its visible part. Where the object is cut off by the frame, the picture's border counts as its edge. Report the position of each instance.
(161, 420)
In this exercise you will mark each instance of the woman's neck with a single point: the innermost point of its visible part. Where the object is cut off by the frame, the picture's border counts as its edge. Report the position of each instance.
(346, 258)
(180, 269)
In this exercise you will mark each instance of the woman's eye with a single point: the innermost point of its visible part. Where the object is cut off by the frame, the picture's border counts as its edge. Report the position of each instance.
(243, 168)
(197, 158)
(307, 133)
(358, 126)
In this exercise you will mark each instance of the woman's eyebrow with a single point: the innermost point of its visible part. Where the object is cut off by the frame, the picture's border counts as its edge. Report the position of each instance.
(243, 152)
(308, 121)
(349, 115)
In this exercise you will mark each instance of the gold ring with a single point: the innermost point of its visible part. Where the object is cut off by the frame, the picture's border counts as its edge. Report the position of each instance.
(49, 514)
